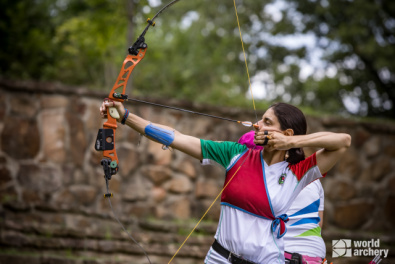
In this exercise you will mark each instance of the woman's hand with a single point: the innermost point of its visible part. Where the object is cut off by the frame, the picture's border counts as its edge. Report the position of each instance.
(117, 105)
(276, 140)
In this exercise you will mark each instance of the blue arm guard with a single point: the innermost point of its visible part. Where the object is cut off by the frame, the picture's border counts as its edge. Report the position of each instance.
(162, 135)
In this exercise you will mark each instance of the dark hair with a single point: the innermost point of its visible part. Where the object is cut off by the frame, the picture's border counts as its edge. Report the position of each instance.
(290, 116)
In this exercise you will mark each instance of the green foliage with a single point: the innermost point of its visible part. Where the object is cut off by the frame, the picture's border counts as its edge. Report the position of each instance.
(25, 48)
(194, 51)
(359, 40)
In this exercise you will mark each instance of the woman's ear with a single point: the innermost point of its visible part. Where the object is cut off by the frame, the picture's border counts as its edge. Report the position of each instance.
(289, 132)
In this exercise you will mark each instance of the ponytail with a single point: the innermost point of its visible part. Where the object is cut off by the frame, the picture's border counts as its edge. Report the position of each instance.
(295, 155)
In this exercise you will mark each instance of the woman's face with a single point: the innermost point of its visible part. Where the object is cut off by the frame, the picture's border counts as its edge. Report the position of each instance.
(269, 122)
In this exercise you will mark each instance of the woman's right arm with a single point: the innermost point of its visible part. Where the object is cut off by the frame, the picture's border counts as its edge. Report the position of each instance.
(187, 144)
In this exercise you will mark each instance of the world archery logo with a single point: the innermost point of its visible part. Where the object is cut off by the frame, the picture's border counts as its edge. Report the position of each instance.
(341, 248)
(358, 248)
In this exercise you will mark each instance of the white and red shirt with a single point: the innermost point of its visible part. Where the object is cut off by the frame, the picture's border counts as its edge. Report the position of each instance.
(303, 231)
(253, 198)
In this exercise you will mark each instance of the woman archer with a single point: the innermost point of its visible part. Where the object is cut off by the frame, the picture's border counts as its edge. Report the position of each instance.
(260, 184)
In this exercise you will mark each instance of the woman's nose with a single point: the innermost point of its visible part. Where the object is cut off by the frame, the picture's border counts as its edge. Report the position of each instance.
(258, 125)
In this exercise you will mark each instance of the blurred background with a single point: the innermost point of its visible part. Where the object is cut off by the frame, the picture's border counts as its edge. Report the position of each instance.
(59, 59)
(332, 56)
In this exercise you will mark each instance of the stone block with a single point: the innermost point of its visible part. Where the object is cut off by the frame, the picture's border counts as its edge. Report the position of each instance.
(12, 238)
(389, 147)
(349, 165)
(92, 120)
(135, 190)
(158, 194)
(24, 105)
(64, 199)
(340, 190)
(352, 215)
(139, 210)
(54, 136)
(20, 138)
(391, 185)
(95, 157)
(161, 212)
(129, 159)
(187, 167)
(360, 136)
(179, 184)
(30, 196)
(78, 141)
(5, 176)
(45, 180)
(8, 195)
(372, 147)
(181, 208)
(202, 206)
(207, 189)
(376, 170)
(20, 259)
(3, 160)
(54, 101)
(390, 209)
(214, 172)
(84, 194)
(114, 185)
(78, 107)
(157, 174)
(314, 124)
(381, 168)
(157, 155)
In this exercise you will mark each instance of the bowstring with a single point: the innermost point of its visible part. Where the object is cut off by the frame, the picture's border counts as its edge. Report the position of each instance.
(256, 116)
(245, 59)
(123, 227)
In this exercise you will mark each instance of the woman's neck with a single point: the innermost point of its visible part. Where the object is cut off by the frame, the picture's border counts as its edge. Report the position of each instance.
(273, 157)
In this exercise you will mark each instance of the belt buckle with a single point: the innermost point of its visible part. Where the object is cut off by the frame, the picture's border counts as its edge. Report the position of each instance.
(231, 254)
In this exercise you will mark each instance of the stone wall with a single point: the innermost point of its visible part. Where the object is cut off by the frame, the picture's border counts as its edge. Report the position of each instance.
(51, 184)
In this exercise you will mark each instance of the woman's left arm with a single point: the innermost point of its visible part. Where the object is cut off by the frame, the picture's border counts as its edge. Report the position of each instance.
(333, 145)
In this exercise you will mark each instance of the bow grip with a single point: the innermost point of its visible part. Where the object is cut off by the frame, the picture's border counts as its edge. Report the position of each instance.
(112, 111)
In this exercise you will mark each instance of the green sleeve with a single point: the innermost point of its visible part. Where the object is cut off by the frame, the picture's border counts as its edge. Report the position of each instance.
(222, 152)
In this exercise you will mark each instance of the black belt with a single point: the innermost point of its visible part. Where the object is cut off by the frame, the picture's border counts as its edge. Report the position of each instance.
(231, 257)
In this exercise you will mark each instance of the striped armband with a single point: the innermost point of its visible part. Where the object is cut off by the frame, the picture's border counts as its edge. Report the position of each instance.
(125, 116)
(162, 135)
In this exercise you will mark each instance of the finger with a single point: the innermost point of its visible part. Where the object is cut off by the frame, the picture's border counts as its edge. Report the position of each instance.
(260, 135)
(258, 142)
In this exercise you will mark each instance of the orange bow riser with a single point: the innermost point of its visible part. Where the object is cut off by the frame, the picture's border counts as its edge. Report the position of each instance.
(105, 140)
